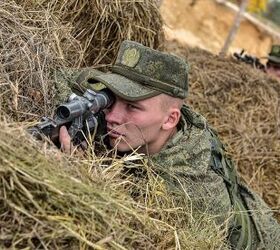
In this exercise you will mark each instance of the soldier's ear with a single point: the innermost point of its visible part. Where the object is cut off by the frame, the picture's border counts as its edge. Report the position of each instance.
(172, 118)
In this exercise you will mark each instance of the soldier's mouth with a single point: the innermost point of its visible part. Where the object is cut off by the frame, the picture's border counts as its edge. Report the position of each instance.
(113, 133)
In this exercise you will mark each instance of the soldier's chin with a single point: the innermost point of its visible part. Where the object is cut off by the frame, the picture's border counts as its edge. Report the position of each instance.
(120, 145)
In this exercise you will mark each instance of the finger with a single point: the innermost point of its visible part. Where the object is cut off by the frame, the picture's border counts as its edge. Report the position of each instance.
(65, 140)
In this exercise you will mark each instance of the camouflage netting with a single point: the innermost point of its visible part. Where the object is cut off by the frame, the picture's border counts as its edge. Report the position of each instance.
(48, 201)
(39, 37)
(242, 104)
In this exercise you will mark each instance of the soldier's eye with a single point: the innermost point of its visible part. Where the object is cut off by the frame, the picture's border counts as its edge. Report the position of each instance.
(132, 106)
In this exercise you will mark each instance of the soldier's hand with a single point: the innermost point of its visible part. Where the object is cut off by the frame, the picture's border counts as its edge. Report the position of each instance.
(65, 140)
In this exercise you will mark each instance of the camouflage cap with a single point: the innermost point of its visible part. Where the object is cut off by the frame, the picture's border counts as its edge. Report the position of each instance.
(274, 54)
(141, 72)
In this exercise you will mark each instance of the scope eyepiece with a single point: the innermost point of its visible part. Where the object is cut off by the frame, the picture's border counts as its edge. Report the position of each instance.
(63, 112)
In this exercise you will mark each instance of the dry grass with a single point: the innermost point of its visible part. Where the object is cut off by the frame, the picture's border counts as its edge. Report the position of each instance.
(40, 37)
(48, 201)
(101, 25)
(32, 45)
(243, 105)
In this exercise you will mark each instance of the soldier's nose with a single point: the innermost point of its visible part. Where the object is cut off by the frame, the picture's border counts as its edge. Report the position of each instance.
(114, 114)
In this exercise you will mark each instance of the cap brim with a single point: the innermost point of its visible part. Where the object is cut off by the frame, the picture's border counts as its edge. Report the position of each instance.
(125, 88)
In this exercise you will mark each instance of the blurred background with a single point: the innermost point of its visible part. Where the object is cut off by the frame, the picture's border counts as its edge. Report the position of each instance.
(207, 23)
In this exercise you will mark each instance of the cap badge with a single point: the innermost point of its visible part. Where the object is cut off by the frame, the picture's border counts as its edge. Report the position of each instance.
(130, 57)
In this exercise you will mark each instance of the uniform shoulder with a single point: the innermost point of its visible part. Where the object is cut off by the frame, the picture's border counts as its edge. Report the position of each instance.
(190, 147)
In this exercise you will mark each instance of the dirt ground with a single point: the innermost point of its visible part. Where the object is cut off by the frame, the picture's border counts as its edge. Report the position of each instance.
(206, 24)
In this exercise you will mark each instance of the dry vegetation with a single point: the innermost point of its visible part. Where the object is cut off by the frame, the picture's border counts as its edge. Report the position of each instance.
(100, 25)
(50, 201)
(32, 46)
(39, 37)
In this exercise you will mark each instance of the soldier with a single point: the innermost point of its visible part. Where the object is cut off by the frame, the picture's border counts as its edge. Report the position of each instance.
(149, 116)
(273, 62)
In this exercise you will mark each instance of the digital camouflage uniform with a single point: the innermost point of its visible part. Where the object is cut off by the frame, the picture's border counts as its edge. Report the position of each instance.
(193, 162)
(187, 162)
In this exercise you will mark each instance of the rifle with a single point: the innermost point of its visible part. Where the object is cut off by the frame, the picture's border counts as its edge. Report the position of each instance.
(254, 61)
(79, 114)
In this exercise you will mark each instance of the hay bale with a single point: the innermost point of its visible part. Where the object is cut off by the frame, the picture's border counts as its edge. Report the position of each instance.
(243, 105)
(48, 201)
(32, 45)
(40, 37)
(101, 25)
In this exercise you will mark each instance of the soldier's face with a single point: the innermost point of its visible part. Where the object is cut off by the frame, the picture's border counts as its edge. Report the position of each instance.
(136, 125)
